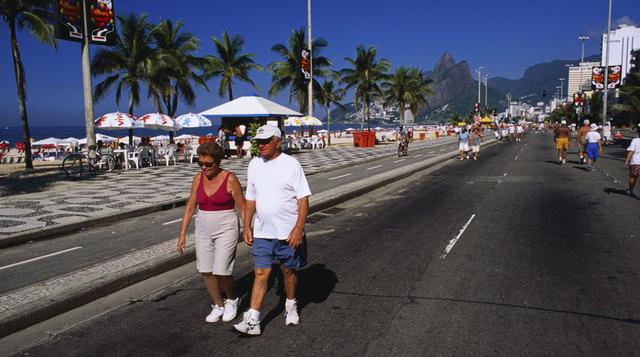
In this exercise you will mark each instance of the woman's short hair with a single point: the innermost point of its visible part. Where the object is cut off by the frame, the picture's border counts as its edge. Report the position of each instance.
(213, 150)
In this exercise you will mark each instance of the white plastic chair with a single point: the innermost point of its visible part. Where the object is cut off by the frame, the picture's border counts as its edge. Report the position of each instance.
(171, 154)
(194, 152)
(133, 158)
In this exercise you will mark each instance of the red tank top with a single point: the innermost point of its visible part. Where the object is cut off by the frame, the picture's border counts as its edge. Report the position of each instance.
(221, 200)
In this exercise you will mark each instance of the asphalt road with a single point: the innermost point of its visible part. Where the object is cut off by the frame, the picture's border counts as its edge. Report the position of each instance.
(38, 261)
(510, 255)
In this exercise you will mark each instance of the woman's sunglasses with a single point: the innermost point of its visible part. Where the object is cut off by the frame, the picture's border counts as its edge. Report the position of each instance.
(205, 164)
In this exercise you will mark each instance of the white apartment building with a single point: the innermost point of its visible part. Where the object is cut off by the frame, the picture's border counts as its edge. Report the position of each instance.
(580, 76)
(623, 40)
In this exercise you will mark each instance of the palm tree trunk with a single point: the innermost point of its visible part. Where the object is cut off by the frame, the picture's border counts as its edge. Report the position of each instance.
(364, 109)
(131, 130)
(22, 97)
(230, 91)
(328, 125)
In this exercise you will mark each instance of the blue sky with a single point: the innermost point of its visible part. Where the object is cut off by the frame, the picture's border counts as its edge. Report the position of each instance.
(504, 36)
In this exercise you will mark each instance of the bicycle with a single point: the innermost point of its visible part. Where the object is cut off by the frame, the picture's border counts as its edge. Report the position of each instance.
(403, 148)
(74, 163)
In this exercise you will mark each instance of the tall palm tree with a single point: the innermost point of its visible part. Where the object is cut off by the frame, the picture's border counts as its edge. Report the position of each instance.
(419, 89)
(330, 94)
(32, 15)
(288, 72)
(128, 65)
(230, 63)
(365, 75)
(171, 83)
(396, 89)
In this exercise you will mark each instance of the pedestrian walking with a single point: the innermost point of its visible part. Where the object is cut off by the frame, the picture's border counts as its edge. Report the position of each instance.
(561, 138)
(216, 193)
(606, 132)
(277, 193)
(475, 138)
(519, 132)
(593, 146)
(581, 140)
(633, 162)
(463, 144)
(239, 141)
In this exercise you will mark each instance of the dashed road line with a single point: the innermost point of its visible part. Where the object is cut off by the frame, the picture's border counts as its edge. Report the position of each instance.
(453, 242)
(39, 258)
(374, 167)
(401, 160)
(339, 177)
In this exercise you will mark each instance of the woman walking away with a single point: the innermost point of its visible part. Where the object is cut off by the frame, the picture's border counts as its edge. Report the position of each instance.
(217, 193)
(633, 162)
(593, 147)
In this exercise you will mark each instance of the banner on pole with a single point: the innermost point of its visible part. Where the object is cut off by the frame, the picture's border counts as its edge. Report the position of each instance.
(614, 81)
(306, 64)
(70, 16)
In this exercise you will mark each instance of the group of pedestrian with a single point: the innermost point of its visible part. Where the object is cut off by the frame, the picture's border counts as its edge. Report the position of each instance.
(469, 143)
(588, 139)
(277, 195)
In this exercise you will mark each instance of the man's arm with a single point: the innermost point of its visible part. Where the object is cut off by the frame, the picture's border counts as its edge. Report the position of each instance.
(249, 211)
(295, 237)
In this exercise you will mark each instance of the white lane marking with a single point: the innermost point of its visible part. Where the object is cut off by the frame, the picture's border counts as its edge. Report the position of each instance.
(374, 167)
(455, 240)
(339, 177)
(318, 233)
(38, 258)
(516, 158)
(505, 174)
(175, 221)
(172, 222)
(417, 155)
(401, 160)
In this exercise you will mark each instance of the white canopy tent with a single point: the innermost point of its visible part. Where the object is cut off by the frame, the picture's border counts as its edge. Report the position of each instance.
(99, 137)
(250, 106)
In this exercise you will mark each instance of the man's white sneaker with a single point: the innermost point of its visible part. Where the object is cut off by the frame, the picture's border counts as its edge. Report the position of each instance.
(216, 313)
(248, 325)
(230, 309)
(291, 313)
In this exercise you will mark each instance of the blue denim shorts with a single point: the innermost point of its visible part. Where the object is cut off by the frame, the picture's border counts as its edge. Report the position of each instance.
(266, 252)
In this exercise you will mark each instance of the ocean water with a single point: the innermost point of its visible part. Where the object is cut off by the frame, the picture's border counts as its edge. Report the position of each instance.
(13, 134)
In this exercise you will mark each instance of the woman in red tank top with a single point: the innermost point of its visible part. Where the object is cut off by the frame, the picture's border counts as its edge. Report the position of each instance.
(216, 193)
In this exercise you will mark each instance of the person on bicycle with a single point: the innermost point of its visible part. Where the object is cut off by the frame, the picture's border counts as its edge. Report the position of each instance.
(403, 135)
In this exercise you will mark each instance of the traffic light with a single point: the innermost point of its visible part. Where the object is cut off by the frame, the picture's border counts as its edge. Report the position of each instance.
(477, 107)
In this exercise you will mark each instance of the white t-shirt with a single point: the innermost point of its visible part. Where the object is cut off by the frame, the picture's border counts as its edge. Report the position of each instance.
(635, 147)
(512, 130)
(606, 130)
(593, 137)
(519, 129)
(276, 185)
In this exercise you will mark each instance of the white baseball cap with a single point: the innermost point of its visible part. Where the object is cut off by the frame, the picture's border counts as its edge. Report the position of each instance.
(594, 127)
(586, 121)
(564, 122)
(267, 132)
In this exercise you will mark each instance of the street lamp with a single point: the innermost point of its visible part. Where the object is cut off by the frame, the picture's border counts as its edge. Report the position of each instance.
(583, 39)
(606, 68)
(486, 90)
(479, 70)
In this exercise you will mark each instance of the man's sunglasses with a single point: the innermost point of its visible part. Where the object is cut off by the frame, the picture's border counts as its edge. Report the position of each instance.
(205, 164)
(263, 141)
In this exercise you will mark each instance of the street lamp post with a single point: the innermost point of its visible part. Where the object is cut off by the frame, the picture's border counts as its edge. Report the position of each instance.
(486, 90)
(310, 88)
(606, 68)
(583, 39)
(479, 71)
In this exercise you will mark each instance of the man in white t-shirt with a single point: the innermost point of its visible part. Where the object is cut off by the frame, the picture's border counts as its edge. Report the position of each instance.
(606, 132)
(593, 147)
(633, 162)
(278, 193)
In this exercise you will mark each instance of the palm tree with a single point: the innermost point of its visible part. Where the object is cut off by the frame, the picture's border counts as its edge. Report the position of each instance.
(419, 89)
(174, 82)
(230, 63)
(288, 72)
(327, 96)
(407, 86)
(630, 97)
(365, 74)
(32, 15)
(131, 63)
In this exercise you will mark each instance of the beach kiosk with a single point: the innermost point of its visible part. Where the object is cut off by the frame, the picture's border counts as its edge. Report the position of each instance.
(246, 111)
(486, 122)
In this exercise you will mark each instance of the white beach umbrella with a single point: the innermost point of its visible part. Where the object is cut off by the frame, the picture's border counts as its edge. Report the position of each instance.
(250, 106)
(307, 120)
(293, 121)
(47, 141)
(186, 137)
(125, 140)
(157, 121)
(160, 138)
(117, 120)
(192, 120)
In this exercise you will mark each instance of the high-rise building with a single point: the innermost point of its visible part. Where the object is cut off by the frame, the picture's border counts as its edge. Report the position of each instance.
(623, 40)
(580, 78)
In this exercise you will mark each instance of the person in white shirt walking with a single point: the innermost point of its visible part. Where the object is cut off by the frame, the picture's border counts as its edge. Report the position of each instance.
(278, 193)
(606, 132)
(593, 146)
(633, 162)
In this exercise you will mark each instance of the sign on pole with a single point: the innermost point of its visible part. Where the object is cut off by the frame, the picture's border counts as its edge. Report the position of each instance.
(614, 81)
(70, 16)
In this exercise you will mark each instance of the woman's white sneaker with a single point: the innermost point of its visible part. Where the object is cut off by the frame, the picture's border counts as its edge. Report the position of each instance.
(291, 313)
(216, 313)
(230, 309)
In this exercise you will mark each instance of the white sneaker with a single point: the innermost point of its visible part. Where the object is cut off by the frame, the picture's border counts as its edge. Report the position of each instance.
(291, 313)
(564, 161)
(216, 313)
(230, 309)
(248, 325)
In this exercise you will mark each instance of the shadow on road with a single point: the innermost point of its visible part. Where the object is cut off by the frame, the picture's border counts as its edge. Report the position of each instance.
(618, 191)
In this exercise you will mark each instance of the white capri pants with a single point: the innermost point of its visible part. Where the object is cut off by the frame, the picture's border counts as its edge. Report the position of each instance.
(216, 241)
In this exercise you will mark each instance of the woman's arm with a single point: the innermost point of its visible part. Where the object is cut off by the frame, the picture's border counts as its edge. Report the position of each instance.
(189, 209)
(235, 189)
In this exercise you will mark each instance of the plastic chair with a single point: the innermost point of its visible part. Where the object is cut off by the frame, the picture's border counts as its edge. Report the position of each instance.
(171, 154)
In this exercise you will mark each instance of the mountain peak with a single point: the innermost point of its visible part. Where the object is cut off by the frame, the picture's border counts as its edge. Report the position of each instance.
(445, 62)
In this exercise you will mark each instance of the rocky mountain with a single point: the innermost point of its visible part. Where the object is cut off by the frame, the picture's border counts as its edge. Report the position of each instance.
(450, 80)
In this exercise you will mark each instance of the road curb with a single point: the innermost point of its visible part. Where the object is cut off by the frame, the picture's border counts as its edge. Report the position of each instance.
(66, 228)
(24, 307)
